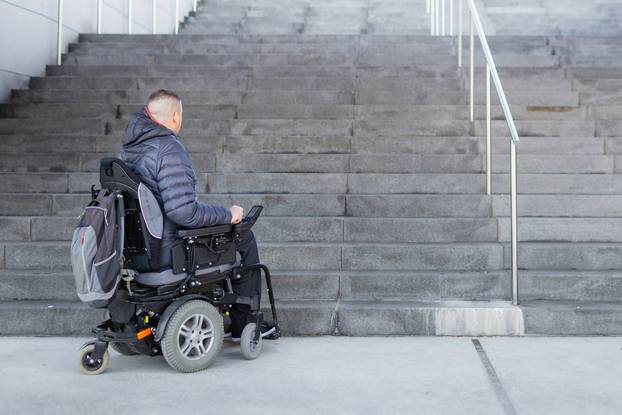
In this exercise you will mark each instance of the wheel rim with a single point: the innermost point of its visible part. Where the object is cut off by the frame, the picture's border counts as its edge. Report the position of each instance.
(89, 363)
(254, 345)
(195, 337)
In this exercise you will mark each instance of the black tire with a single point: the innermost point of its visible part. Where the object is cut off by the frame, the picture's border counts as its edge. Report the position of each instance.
(124, 349)
(250, 348)
(193, 337)
(90, 366)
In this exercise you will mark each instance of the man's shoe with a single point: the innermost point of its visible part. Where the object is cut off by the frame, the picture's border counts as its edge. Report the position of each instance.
(270, 330)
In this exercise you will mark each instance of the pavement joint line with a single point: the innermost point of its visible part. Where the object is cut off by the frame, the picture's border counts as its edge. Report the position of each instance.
(500, 392)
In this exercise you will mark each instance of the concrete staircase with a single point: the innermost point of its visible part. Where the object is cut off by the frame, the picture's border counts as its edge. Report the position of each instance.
(552, 17)
(356, 139)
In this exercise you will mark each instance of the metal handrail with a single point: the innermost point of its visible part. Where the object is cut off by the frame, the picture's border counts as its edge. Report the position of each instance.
(154, 8)
(437, 28)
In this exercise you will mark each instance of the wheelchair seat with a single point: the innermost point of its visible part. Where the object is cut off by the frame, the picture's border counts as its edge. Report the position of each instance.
(167, 277)
(140, 221)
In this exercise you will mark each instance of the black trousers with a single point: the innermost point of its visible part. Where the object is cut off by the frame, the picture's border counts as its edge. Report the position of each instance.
(248, 285)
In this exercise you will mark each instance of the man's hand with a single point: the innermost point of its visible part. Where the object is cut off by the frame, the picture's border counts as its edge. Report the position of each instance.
(237, 213)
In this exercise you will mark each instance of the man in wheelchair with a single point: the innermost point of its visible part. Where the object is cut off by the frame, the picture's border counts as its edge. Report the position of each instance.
(186, 265)
(152, 150)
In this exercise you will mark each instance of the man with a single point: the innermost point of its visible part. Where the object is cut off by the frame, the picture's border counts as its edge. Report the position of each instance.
(151, 148)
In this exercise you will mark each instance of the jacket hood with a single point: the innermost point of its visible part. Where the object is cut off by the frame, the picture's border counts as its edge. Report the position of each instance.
(142, 128)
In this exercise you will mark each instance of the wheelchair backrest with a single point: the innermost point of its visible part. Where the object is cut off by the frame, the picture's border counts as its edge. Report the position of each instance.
(142, 216)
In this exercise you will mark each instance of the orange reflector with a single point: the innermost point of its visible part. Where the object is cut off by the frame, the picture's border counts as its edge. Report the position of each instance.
(143, 334)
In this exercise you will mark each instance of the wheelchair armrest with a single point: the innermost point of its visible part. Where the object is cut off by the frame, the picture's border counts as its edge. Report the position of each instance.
(210, 230)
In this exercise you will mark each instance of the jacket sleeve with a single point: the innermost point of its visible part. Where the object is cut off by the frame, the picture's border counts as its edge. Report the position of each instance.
(175, 180)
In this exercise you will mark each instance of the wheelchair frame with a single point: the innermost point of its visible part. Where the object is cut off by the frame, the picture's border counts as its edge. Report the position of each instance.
(145, 311)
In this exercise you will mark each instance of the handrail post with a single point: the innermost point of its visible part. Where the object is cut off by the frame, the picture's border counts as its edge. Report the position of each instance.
(176, 29)
(471, 68)
(427, 5)
(442, 17)
(194, 5)
(459, 33)
(99, 17)
(59, 34)
(488, 135)
(438, 17)
(432, 17)
(451, 17)
(153, 16)
(514, 225)
(129, 17)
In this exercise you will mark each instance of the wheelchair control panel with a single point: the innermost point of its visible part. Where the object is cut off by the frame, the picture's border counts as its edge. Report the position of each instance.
(249, 220)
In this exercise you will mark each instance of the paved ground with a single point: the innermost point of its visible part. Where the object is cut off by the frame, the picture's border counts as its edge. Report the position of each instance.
(327, 375)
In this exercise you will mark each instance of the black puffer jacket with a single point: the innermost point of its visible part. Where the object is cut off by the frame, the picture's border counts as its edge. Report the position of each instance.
(154, 153)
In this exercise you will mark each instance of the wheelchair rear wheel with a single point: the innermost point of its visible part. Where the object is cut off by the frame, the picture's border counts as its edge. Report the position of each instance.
(193, 336)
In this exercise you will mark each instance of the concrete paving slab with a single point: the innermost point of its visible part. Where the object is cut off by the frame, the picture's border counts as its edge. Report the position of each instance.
(322, 375)
(559, 375)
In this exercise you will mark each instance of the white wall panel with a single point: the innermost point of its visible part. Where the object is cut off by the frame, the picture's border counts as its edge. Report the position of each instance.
(28, 31)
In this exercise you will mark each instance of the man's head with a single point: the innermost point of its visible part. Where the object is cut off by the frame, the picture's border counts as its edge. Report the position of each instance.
(165, 107)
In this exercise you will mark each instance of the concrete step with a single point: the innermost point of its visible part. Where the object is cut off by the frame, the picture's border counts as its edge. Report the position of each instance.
(297, 111)
(544, 128)
(136, 83)
(400, 206)
(263, 163)
(60, 286)
(56, 111)
(287, 144)
(560, 205)
(308, 256)
(198, 97)
(241, 59)
(529, 128)
(572, 317)
(337, 183)
(559, 256)
(424, 257)
(266, 71)
(569, 285)
(328, 163)
(449, 318)
(78, 126)
(313, 205)
(299, 229)
(86, 48)
(587, 154)
(553, 229)
(466, 144)
(573, 164)
(424, 286)
(73, 318)
(578, 184)
(258, 38)
(292, 55)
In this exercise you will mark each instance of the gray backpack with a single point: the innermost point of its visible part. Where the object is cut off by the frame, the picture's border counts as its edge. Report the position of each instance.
(94, 255)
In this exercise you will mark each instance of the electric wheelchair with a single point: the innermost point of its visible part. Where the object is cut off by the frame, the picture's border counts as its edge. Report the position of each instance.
(183, 312)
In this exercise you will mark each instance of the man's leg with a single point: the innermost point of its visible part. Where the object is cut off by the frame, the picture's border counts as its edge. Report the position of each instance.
(249, 285)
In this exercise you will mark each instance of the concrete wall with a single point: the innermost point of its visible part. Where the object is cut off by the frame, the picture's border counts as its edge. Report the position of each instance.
(28, 31)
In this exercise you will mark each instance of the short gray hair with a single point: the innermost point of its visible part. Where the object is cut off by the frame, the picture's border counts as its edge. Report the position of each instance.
(163, 103)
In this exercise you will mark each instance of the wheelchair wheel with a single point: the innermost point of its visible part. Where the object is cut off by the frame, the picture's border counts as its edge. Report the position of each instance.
(250, 348)
(124, 349)
(91, 366)
(193, 337)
